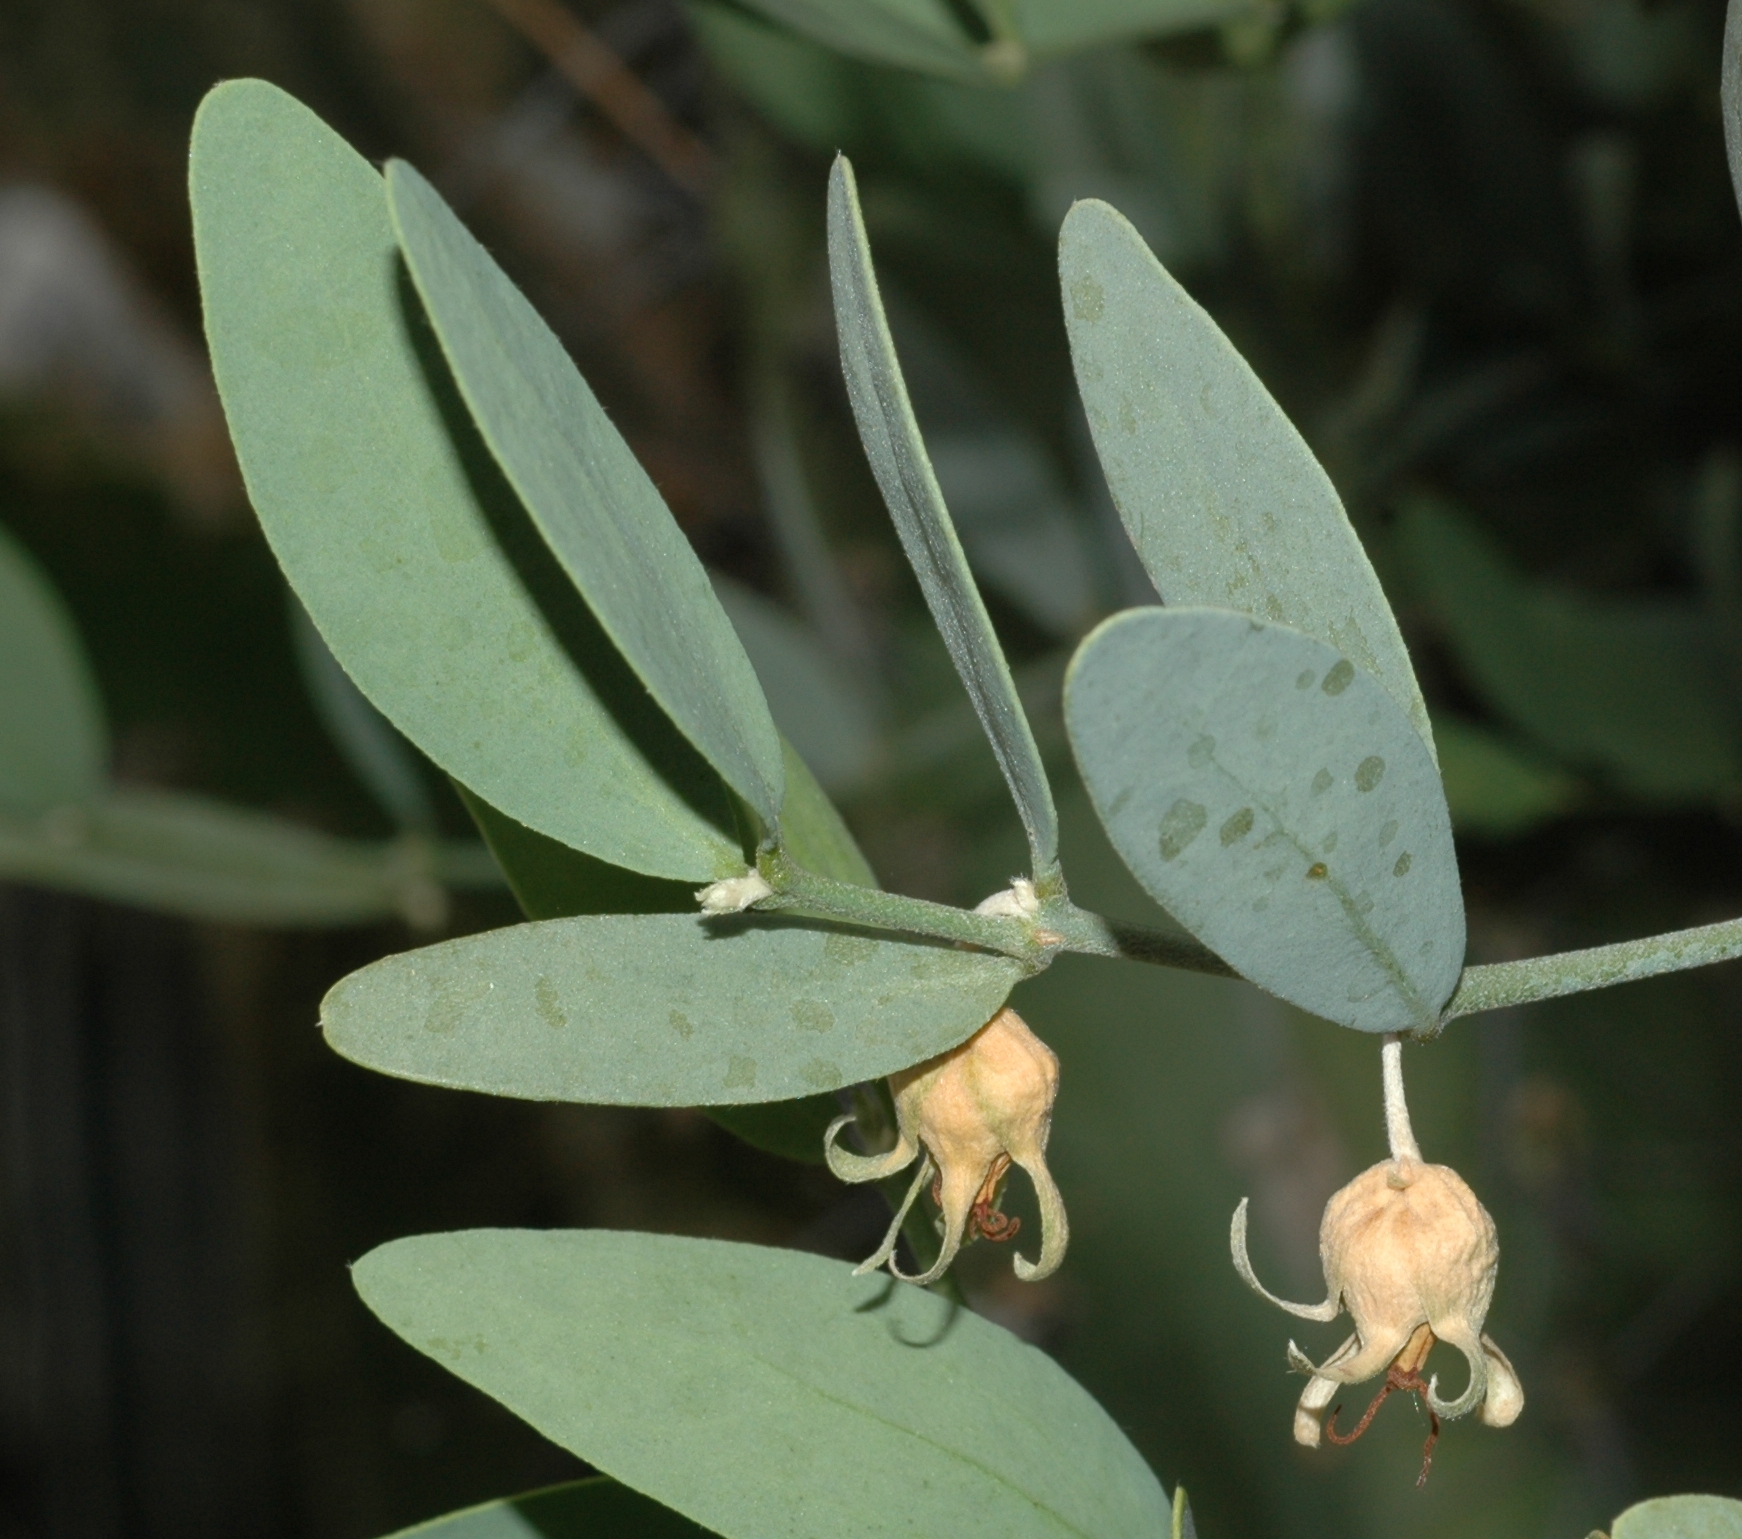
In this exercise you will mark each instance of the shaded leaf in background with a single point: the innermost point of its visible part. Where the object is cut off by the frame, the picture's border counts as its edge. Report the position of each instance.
(1064, 26)
(395, 530)
(1494, 787)
(54, 746)
(376, 753)
(1633, 689)
(1275, 800)
(189, 855)
(817, 704)
(915, 34)
(662, 1009)
(584, 1509)
(601, 515)
(1222, 497)
(765, 1392)
(1681, 1517)
(910, 490)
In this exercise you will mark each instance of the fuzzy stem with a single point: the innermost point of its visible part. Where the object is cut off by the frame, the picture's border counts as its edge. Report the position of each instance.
(1404, 1148)
(1499, 984)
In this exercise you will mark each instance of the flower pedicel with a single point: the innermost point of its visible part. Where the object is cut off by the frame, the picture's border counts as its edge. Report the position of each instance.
(1412, 1255)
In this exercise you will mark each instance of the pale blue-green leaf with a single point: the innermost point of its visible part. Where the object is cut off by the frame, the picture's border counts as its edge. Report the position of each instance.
(376, 753)
(1633, 689)
(187, 855)
(1681, 1517)
(1278, 803)
(398, 533)
(54, 746)
(904, 475)
(583, 1509)
(662, 1009)
(596, 507)
(819, 705)
(1221, 496)
(916, 34)
(765, 1392)
(1496, 788)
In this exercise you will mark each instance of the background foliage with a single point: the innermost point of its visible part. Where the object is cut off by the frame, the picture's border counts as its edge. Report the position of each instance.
(1485, 254)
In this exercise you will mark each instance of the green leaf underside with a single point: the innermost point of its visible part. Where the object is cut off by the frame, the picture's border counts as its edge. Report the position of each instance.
(917, 34)
(583, 1509)
(1681, 1517)
(1634, 689)
(1220, 494)
(678, 1365)
(601, 515)
(1065, 26)
(662, 1009)
(408, 549)
(187, 855)
(53, 743)
(1274, 799)
(904, 475)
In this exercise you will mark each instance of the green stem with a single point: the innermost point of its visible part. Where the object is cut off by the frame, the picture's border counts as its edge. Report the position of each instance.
(1095, 935)
(805, 893)
(1498, 984)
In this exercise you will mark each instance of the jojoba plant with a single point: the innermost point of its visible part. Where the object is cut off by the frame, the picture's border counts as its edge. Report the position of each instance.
(494, 570)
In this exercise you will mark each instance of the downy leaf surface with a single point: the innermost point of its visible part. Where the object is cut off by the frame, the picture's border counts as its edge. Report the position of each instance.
(662, 1009)
(403, 541)
(583, 1509)
(597, 509)
(768, 1393)
(1220, 494)
(1277, 802)
(910, 490)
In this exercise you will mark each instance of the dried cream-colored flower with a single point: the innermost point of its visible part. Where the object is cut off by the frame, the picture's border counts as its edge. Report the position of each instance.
(972, 1113)
(1412, 1255)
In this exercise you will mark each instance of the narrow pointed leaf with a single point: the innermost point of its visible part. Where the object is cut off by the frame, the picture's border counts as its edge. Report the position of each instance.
(1220, 494)
(54, 746)
(910, 488)
(583, 1509)
(767, 1393)
(1277, 802)
(597, 509)
(1681, 1517)
(662, 1009)
(409, 551)
(915, 34)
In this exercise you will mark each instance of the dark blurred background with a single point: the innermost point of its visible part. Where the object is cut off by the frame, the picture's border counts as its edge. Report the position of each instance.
(1486, 254)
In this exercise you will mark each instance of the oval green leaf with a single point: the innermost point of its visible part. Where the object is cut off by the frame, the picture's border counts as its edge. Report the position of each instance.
(601, 515)
(1681, 1517)
(54, 747)
(583, 1509)
(1221, 496)
(1277, 802)
(662, 1009)
(407, 548)
(768, 1393)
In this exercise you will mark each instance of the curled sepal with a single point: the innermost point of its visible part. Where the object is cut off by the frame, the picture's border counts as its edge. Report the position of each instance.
(886, 1251)
(1467, 1342)
(1055, 1228)
(865, 1167)
(1243, 1265)
(1505, 1399)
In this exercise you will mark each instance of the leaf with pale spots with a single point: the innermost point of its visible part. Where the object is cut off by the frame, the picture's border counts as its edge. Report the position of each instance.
(767, 1392)
(663, 1009)
(1220, 494)
(1681, 1517)
(1279, 804)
